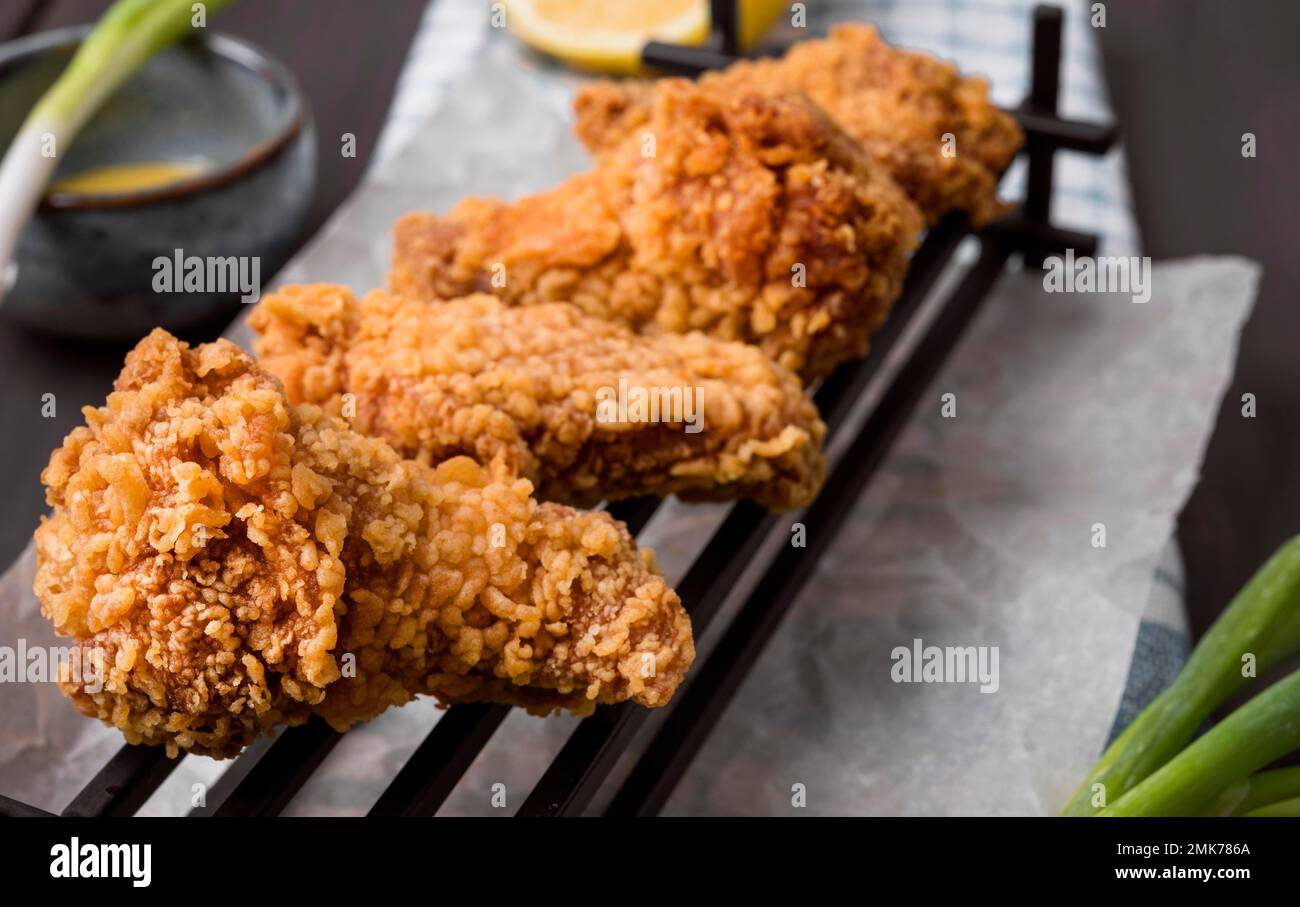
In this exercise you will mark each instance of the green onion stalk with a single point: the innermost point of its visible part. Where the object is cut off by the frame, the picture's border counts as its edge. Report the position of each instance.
(1264, 729)
(127, 35)
(1284, 808)
(1264, 791)
(1262, 621)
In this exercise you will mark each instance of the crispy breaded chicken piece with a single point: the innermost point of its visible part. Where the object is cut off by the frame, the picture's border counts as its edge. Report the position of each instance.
(899, 104)
(241, 562)
(540, 386)
(745, 216)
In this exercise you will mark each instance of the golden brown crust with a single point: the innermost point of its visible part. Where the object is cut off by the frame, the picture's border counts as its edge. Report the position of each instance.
(745, 216)
(242, 562)
(899, 104)
(538, 386)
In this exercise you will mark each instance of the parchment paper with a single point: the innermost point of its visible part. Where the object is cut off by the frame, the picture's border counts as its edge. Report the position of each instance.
(1071, 410)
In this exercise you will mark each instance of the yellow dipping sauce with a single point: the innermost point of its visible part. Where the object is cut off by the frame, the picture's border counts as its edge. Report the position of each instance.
(118, 179)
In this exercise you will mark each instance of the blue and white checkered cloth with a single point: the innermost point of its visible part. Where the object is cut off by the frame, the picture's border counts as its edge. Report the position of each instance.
(989, 37)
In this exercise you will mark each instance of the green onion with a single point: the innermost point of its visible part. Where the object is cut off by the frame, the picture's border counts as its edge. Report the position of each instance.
(1282, 808)
(1258, 792)
(127, 35)
(1264, 729)
(1264, 619)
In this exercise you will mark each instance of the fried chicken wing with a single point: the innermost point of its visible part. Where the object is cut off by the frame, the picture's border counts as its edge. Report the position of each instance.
(899, 104)
(541, 387)
(240, 562)
(742, 215)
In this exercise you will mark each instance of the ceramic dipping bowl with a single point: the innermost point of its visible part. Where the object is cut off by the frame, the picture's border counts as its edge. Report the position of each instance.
(88, 263)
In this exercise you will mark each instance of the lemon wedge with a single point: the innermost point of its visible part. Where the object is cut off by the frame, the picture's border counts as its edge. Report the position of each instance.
(607, 35)
(757, 16)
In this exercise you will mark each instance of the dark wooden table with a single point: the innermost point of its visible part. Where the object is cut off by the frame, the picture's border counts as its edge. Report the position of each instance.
(1187, 76)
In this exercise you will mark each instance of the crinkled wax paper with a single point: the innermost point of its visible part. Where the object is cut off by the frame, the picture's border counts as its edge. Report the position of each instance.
(1072, 410)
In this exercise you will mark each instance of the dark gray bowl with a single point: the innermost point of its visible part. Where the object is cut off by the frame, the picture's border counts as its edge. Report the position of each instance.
(86, 264)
